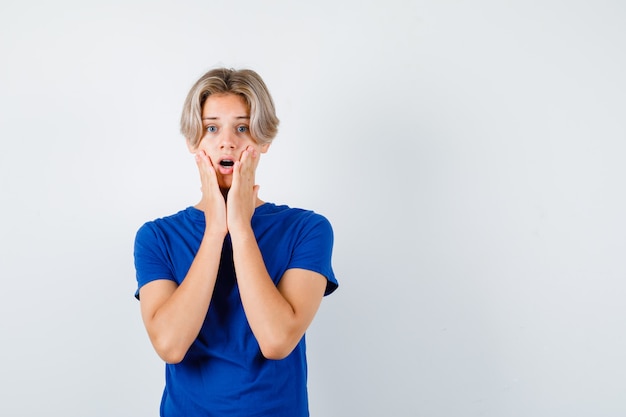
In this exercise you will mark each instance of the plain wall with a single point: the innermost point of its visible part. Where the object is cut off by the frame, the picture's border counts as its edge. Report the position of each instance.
(470, 156)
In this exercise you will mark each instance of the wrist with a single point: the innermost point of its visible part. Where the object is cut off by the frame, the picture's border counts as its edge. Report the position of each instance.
(241, 231)
(214, 233)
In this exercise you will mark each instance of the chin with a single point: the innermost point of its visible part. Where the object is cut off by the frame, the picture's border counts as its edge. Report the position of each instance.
(224, 184)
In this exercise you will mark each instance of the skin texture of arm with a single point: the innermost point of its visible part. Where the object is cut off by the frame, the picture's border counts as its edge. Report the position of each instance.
(172, 314)
(278, 316)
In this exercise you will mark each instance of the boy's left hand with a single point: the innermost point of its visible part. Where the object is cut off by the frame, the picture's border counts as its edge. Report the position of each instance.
(242, 196)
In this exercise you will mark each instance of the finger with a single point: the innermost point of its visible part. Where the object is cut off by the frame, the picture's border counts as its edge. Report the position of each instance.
(205, 167)
(204, 161)
(201, 157)
(249, 154)
(243, 175)
(249, 160)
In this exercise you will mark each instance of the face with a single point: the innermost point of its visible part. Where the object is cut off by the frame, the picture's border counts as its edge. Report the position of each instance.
(226, 124)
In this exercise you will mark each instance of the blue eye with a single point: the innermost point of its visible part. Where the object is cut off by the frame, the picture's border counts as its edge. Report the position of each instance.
(211, 129)
(242, 129)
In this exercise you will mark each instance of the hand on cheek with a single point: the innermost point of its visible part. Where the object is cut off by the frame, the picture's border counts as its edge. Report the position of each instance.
(243, 193)
(249, 156)
(205, 167)
(245, 168)
(212, 202)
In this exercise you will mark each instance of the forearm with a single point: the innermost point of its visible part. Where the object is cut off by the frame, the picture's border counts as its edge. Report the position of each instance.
(271, 317)
(176, 321)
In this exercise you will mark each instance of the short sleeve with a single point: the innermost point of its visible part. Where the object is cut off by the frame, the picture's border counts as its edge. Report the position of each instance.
(313, 250)
(151, 259)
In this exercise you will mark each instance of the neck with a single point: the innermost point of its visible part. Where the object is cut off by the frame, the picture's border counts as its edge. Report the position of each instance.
(201, 206)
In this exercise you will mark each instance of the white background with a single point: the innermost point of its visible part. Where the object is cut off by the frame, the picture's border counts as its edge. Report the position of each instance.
(470, 156)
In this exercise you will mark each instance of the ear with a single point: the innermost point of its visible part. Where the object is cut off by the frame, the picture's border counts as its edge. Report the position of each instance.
(265, 147)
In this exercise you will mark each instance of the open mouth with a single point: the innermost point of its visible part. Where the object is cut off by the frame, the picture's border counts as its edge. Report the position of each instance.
(227, 163)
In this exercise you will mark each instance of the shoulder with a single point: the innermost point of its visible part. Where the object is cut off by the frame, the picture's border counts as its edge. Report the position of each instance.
(166, 224)
(284, 213)
(295, 222)
(293, 225)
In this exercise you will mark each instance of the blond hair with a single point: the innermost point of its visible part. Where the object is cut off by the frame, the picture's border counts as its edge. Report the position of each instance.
(245, 83)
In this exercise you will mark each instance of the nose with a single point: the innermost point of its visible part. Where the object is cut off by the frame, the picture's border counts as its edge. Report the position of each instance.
(228, 140)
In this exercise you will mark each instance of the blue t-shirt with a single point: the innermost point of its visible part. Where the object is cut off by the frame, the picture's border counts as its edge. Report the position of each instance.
(224, 372)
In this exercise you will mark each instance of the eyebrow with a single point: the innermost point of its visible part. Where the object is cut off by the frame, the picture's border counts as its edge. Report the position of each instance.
(216, 118)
